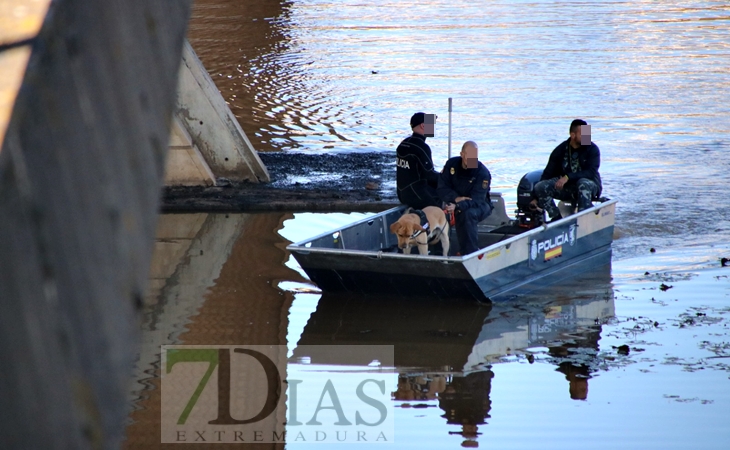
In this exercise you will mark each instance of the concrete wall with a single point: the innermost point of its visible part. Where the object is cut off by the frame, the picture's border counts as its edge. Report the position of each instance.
(185, 164)
(212, 128)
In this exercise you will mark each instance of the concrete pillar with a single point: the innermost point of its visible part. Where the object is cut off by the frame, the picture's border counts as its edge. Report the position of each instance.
(212, 129)
(80, 174)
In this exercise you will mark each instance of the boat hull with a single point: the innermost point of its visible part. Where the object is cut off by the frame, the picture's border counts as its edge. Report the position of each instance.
(542, 255)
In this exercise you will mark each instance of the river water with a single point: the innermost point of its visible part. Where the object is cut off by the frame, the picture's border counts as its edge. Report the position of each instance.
(652, 78)
(549, 371)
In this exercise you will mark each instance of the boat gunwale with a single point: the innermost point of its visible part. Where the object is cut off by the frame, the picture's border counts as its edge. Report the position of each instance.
(299, 246)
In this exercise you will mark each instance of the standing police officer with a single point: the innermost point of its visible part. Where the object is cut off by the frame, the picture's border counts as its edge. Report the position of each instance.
(464, 185)
(415, 176)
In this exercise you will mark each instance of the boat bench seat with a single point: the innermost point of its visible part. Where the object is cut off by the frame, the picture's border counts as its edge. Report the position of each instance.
(499, 213)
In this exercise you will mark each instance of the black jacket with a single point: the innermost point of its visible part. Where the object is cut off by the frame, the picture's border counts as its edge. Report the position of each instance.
(414, 163)
(455, 181)
(589, 159)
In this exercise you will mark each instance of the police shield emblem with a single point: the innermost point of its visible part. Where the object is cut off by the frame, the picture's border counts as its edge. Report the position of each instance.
(453, 171)
(485, 184)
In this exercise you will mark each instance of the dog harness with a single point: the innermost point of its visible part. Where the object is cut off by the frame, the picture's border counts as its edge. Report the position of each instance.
(424, 222)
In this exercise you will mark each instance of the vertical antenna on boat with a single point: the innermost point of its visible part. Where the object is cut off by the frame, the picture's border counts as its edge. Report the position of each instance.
(449, 127)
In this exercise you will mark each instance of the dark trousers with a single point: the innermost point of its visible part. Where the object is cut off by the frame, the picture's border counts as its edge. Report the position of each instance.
(466, 227)
(581, 191)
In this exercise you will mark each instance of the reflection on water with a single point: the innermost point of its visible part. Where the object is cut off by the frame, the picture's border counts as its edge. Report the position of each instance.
(213, 282)
(652, 78)
(445, 351)
(468, 374)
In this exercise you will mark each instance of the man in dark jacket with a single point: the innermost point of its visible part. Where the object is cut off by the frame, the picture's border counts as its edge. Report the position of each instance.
(415, 176)
(571, 173)
(464, 187)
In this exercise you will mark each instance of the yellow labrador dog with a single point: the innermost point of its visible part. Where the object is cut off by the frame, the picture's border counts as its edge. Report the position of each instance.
(425, 227)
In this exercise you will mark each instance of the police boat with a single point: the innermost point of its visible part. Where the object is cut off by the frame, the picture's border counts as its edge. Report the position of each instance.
(514, 252)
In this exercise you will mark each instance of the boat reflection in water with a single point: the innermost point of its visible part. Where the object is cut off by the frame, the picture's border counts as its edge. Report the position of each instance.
(445, 351)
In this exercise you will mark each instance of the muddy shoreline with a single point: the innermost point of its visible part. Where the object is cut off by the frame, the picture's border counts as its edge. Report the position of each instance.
(299, 182)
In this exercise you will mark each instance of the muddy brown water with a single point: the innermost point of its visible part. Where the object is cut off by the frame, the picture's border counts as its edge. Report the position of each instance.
(650, 77)
(637, 355)
(611, 357)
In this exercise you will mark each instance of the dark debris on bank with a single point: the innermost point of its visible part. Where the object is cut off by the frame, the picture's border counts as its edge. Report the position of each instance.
(299, 182)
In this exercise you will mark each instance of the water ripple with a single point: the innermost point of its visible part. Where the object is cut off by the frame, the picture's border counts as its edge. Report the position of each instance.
(651, 77)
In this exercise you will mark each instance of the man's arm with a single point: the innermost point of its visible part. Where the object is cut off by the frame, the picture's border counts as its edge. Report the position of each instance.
(554, 167)
(426, 162)
(593, 162)
(479, 190)
(445, 189)
(432, 177)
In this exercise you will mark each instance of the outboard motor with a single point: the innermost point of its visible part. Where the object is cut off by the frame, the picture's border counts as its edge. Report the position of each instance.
(526, 217)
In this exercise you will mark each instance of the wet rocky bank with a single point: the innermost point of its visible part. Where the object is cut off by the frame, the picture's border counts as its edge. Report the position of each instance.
(299, 181)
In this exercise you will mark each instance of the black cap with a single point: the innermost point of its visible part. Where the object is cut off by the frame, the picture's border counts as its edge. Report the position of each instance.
(417, 119)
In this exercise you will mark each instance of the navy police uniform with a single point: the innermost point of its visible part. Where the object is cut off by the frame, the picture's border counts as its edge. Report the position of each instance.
(415, 177)
(584, 182)
(455, 181)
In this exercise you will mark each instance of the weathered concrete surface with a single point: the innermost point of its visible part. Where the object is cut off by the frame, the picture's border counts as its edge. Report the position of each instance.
(185, 164)
(300, 182)
(80, 172)
(213, 127)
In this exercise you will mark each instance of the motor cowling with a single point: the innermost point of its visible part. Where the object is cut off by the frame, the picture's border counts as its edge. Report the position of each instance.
(527, 217)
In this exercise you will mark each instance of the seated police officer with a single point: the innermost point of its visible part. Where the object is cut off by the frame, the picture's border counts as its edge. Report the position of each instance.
(415, 176)
(464, 186)
(571, 173)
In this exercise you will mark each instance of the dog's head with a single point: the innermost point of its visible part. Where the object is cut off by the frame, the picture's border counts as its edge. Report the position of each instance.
(405, 231)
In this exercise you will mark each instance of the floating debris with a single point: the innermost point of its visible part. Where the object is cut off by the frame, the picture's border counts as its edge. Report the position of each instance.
(417, 405)
(687, 321)
(677, 398)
